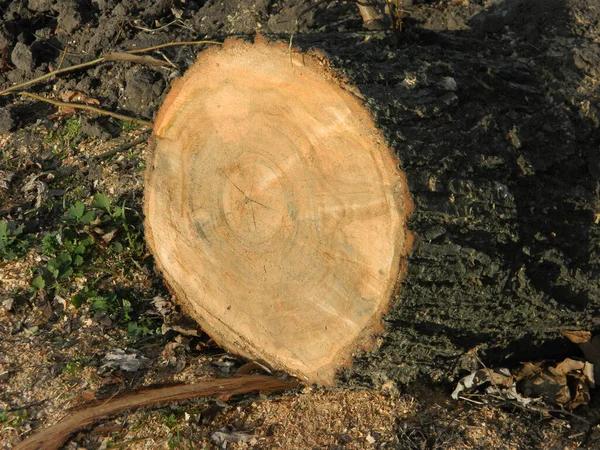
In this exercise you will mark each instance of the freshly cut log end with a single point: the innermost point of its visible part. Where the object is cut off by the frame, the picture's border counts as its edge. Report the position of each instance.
(274, 209)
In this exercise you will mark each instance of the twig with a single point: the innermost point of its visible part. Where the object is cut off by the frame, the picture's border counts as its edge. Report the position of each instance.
(96, 61)
(121, 148)
(152, 30)
(174, 44)
(50, 75)
(87, 108)
(54, 436)
(124, 56)
(62, 58)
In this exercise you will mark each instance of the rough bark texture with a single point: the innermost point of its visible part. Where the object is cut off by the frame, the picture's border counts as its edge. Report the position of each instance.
(498, 136)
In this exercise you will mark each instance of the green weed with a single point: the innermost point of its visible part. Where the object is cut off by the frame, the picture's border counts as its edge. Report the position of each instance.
(13, 242)
(87, 237)
(128, 125)
(71, 368)
(13, 419)
(63, 138)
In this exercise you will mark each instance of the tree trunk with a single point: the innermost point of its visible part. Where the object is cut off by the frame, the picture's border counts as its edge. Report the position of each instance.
(498, 137)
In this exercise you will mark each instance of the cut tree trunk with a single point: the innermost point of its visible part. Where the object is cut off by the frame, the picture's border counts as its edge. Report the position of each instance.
(274, 209)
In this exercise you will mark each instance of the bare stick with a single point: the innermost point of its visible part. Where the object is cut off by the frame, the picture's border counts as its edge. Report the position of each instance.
(62, 58)
(173, 44)
(54, 436)
(96, 61)
(87, 108)
(50, 75)
(121, 148)
(124, 56)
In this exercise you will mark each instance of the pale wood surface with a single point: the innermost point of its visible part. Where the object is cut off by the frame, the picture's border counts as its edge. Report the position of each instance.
(274, 208)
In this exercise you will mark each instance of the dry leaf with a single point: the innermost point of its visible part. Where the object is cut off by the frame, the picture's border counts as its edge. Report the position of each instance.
(552, 387)
(528, 370)
(588, 371)
(107, 237)
(569, 365)
(567, 384)
(577, 337)
(580, 391)
(73, 97)
(496, 377)
(77, 97)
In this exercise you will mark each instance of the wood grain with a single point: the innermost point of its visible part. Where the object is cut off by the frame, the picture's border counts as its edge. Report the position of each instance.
(274, 208)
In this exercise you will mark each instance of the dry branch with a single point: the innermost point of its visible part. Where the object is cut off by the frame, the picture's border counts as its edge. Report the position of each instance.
(124, 56)
(54, 436)
(86, 108)
(55, 73)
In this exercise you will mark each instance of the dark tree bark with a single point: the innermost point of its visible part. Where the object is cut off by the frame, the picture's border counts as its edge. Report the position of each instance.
(498, 135)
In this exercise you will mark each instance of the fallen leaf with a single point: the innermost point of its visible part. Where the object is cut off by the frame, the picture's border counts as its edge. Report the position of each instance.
(577, 337)
(221, 438)
(128, 362)
(527, 370)
(497, 377)
(569, 365)
(77, 97)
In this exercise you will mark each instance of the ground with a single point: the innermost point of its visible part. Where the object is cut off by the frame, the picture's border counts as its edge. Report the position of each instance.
(492, 107)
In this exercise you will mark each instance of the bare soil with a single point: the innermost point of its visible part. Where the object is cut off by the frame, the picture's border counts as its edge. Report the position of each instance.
(492, 107)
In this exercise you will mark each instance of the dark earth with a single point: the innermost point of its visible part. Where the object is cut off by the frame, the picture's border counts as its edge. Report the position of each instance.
(493, 107)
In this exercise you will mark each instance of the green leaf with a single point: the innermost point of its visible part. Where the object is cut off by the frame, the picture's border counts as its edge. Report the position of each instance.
(66, 272)
(119, 212)
(101, 201)
(78, 299)
(65, 258)
(87, 217)
(78, 260)
(38, 283)
(49, 244)
(99, 304)
(76, 210)
(3, 230)
(117, 247)
(19, 230)
(87, 241)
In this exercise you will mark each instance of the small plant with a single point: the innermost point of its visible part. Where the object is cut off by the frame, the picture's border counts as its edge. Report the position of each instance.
(117, 215)
(13, 419)
(64, 137)
(75, 245)
(128, 125)
(71, 368)
(87, 237)
(70, 246)
(12, 241)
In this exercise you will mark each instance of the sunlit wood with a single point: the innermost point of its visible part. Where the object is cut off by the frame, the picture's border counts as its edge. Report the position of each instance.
(274, 208)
